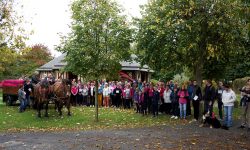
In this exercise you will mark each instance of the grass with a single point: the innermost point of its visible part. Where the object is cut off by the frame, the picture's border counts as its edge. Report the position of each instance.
(82, 119)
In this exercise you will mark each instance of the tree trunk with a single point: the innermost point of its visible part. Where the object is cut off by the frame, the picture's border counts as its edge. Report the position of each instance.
(96, 100)
(198, 74)
(202, 52)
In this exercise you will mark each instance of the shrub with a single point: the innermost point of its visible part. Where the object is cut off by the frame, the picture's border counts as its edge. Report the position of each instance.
(239, 83)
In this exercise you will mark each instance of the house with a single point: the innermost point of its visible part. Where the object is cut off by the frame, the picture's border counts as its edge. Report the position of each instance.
(131, 70)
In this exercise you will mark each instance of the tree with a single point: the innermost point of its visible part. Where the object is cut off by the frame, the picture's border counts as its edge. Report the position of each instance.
(11, 36)
(100, 39)
(33, 57)
(197, 34)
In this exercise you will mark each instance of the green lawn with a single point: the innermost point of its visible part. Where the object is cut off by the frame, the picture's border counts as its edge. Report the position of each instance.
(82, 119)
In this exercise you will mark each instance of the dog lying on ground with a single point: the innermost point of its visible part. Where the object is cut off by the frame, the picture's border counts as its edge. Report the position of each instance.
(210, 120)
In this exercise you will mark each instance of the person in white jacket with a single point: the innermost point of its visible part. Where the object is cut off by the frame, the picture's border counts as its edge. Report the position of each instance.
(106, 92)
(228, 99)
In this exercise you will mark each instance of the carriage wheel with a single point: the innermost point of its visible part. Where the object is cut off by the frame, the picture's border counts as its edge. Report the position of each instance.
(9, 100)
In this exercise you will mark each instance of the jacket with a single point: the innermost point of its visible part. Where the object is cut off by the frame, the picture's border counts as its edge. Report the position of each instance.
(228, 98)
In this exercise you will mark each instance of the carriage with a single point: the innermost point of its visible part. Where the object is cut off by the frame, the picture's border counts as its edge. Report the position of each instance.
(10, 90)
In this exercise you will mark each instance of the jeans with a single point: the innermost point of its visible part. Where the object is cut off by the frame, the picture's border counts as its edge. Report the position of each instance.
(183, 108)
(27, 101)
(220, 104)
(228, 111)
(22, 105)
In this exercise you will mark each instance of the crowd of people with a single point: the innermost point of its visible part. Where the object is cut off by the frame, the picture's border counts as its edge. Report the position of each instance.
(148, 98)
(169, 98)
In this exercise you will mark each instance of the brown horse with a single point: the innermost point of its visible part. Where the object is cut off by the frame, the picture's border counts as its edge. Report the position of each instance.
(40, 98)
(61, 93)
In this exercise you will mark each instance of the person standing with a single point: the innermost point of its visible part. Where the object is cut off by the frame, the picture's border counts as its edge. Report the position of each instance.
(183, 96)
(196, 98)
(85, 94)
(106, 93)
(21, 98)
(246, 106)
(209, 97)
(117, 95)
(28, 88)
(127, 96)
(100, 95)
(219, 92)
(74, 91)
(155, 101)
(92, 94)
(79, 95)
(190, 91)
(150, 97)
(175, 103)
(228, 99)
(167, 100)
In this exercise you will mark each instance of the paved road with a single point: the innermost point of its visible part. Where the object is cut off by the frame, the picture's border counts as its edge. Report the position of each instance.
(189, 136)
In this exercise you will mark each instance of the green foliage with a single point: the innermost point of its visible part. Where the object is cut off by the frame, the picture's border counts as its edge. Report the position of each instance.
(11, 37)
(100, 39)
(25, 62)
(202, 35)
(181, 79)
(239, 83)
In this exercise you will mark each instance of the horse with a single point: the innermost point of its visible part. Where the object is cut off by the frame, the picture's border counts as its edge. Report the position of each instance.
(61, 95)
(41, 97)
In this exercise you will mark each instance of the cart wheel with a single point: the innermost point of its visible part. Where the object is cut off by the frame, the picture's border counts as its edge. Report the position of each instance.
(8, 100)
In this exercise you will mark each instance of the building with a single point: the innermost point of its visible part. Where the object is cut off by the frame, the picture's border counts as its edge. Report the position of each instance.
(130, 70)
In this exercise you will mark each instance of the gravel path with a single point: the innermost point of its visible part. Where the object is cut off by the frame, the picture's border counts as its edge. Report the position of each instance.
(189, 136)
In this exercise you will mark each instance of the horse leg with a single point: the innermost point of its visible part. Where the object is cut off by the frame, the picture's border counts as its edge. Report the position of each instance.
(46, 109)
(39, 110)
(68, 107)
(56, 105)
(60, 105)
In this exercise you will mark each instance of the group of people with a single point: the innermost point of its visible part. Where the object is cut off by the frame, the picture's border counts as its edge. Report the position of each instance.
(148, 98)
(24, 93)
(170, 98)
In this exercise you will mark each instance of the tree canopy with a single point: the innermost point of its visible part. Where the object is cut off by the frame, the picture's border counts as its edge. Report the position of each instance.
(100, 39)
(202, 35)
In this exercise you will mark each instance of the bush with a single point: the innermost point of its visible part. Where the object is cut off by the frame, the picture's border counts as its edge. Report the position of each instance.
(181, 79)
(239, 83)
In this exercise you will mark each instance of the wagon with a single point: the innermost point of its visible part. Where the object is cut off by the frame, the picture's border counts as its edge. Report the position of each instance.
(10, 90)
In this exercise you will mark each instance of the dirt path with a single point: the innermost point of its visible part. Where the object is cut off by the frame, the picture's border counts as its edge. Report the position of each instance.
(164, 137)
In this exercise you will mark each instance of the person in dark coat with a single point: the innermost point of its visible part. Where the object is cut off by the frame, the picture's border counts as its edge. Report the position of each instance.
(209, 97)
(155, 101)
(28, 89)
(117, 95)
(196, 98)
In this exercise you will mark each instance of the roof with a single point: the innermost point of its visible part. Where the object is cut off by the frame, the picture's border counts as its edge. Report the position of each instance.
(58, 62)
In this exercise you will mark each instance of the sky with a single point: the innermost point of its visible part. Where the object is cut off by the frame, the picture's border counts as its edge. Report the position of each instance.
(47, 18)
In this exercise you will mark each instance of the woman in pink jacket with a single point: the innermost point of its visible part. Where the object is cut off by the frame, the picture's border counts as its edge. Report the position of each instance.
(183, 95)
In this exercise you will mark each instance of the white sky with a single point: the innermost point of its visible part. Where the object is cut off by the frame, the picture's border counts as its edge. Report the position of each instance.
(47, 18)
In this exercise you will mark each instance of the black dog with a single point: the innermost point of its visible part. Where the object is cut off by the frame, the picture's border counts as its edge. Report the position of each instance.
(211, 120)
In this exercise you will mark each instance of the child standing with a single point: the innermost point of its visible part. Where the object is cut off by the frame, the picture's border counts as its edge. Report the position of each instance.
(21, 98)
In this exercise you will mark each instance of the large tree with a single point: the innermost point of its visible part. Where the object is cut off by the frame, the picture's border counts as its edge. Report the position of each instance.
(100, 39)
(197, 34)
(26, 61)
(11, 36)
